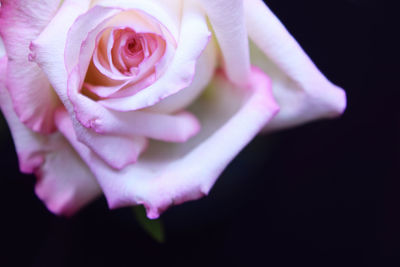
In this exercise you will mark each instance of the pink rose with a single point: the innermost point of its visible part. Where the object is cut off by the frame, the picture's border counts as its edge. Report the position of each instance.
(139, 100)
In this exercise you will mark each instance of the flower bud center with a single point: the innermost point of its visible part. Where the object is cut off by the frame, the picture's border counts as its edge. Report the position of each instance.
(134, 46)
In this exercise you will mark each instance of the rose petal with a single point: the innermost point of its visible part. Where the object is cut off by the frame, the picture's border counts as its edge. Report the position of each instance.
(228, 22)
(48, 48)
(301, 90)
(125, 150)
(181, 70)
(33, 98)
(2, 50)
(205, 68)
(166, 12)
(65, 183)
(92, 22)
(169, 128)
(27, 143)
(172, 174)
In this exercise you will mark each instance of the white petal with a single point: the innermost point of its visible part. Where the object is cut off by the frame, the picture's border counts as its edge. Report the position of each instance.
(167, 12)
(21, 21)
(228, 22)
(204, 71)
(301, 90)
(65, 184)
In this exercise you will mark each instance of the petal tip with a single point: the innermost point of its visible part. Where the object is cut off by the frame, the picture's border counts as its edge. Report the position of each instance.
(28, 163)
(342, 101)
(60, 205)
(190, 128)
(152, 213)
(336, 101)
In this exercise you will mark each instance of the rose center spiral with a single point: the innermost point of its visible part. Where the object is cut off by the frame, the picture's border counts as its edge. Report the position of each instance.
(134, 46)
(126, 59)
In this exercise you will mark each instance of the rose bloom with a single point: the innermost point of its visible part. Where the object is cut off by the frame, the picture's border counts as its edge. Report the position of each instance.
(147, 101)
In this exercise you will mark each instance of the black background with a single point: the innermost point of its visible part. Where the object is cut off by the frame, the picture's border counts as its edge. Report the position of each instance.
(324, 194)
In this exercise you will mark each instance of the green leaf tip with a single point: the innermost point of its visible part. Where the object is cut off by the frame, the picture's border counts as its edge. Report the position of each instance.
(154, 228)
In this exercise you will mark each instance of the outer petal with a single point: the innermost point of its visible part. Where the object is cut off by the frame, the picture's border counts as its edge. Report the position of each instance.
(48, 49)
(172, 174)
(301, 90)
(27, 143)
(21, 21)
(65, 183)
(227, 20)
